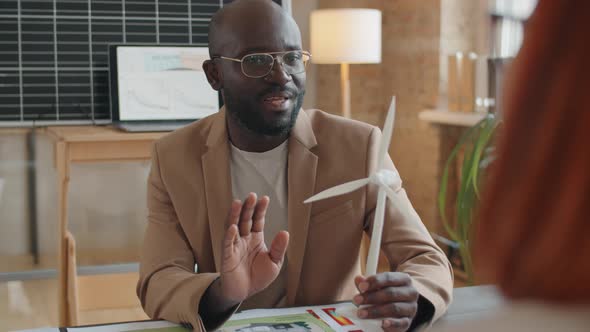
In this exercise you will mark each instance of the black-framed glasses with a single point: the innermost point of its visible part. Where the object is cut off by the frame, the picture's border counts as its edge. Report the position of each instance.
(258, 65)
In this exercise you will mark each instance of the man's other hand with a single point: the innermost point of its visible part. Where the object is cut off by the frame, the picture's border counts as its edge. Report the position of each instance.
(390, 296)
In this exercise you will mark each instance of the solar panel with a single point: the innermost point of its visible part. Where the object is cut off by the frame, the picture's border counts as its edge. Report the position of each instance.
(54, 53)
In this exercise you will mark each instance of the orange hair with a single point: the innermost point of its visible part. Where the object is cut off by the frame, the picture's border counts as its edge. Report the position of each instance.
(534, 228)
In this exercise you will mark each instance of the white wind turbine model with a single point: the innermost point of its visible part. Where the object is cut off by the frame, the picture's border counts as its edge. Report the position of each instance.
(384, 179)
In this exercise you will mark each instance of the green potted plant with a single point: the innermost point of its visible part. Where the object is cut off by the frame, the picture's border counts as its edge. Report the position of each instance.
(478, 152)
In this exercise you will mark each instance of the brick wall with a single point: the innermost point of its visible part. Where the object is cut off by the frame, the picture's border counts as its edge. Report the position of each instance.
(417, 35)
(410, 70)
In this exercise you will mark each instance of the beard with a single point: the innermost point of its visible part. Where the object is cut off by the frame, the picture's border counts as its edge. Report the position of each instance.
(252, 119)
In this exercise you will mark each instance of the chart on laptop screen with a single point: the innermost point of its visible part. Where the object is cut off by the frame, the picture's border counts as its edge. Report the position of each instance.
(163, 83)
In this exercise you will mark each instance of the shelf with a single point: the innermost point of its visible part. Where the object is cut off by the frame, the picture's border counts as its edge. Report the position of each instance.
(14, 131)
(442, 117)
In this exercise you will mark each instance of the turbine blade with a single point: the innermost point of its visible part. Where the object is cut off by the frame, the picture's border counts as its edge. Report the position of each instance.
(387, 132)
(341, 189)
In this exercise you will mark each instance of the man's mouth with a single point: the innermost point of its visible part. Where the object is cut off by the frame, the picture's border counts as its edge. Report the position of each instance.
(277, 101)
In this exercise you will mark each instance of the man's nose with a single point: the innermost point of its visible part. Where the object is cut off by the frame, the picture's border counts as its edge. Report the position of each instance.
(278, 74)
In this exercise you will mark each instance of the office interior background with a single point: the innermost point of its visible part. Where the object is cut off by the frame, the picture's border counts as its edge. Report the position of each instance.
(53, 72)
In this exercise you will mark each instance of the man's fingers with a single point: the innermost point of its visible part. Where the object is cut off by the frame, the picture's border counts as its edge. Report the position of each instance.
(259, 214)
(278, 248)
(245, 223)
(396, 324)
(382, 280)
(387, 295)
(395, 310)
(234, 213)
(231, 233)
(228, 242)
(357, 281)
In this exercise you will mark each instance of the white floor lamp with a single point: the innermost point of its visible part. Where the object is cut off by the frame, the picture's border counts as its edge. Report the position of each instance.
(345, 36)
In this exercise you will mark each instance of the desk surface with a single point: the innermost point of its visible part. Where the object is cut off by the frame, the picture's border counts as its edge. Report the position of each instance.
(469, 303)
(97, 134)
(472, 303)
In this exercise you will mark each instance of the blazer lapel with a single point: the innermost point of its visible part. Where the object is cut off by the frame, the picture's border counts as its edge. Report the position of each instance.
(216, 171)
(301, 175)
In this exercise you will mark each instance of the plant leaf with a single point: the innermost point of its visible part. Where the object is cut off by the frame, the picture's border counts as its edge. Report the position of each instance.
(482, 141)
(442, 194)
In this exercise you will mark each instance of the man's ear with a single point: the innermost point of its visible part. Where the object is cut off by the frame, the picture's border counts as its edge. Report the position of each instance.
(214, 76)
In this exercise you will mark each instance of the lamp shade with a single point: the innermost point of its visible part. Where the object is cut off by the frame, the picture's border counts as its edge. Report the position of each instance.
(350, 35)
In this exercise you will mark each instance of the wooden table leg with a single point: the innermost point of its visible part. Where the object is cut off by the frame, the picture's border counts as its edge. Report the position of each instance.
(32, 194)
(63, 172)
(72, 282)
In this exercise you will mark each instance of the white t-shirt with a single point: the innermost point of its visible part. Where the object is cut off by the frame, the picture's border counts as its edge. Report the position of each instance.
(265, 173)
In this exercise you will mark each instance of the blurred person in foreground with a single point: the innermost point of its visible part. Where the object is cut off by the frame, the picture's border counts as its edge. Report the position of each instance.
(535, 218)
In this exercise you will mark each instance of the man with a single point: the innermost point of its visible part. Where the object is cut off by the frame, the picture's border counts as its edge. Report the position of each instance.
(261, 143)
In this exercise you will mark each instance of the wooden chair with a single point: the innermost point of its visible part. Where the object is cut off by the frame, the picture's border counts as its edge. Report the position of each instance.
(83, 144)
(92, 289)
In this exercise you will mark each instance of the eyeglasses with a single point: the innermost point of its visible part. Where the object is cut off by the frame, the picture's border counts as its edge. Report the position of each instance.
(258, 65)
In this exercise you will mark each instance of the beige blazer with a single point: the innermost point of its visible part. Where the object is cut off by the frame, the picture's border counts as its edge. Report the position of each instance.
(189, 195)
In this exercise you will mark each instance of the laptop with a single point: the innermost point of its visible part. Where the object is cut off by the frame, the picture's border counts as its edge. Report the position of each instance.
(159, 87)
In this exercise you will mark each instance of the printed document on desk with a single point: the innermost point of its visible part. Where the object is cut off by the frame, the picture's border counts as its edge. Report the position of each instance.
(147, 326)
(339, 317)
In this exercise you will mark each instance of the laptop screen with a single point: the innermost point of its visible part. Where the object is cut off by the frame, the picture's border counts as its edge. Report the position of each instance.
(154, 82)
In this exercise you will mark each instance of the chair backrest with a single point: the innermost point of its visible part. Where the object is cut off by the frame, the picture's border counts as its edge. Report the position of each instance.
(98, 288)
